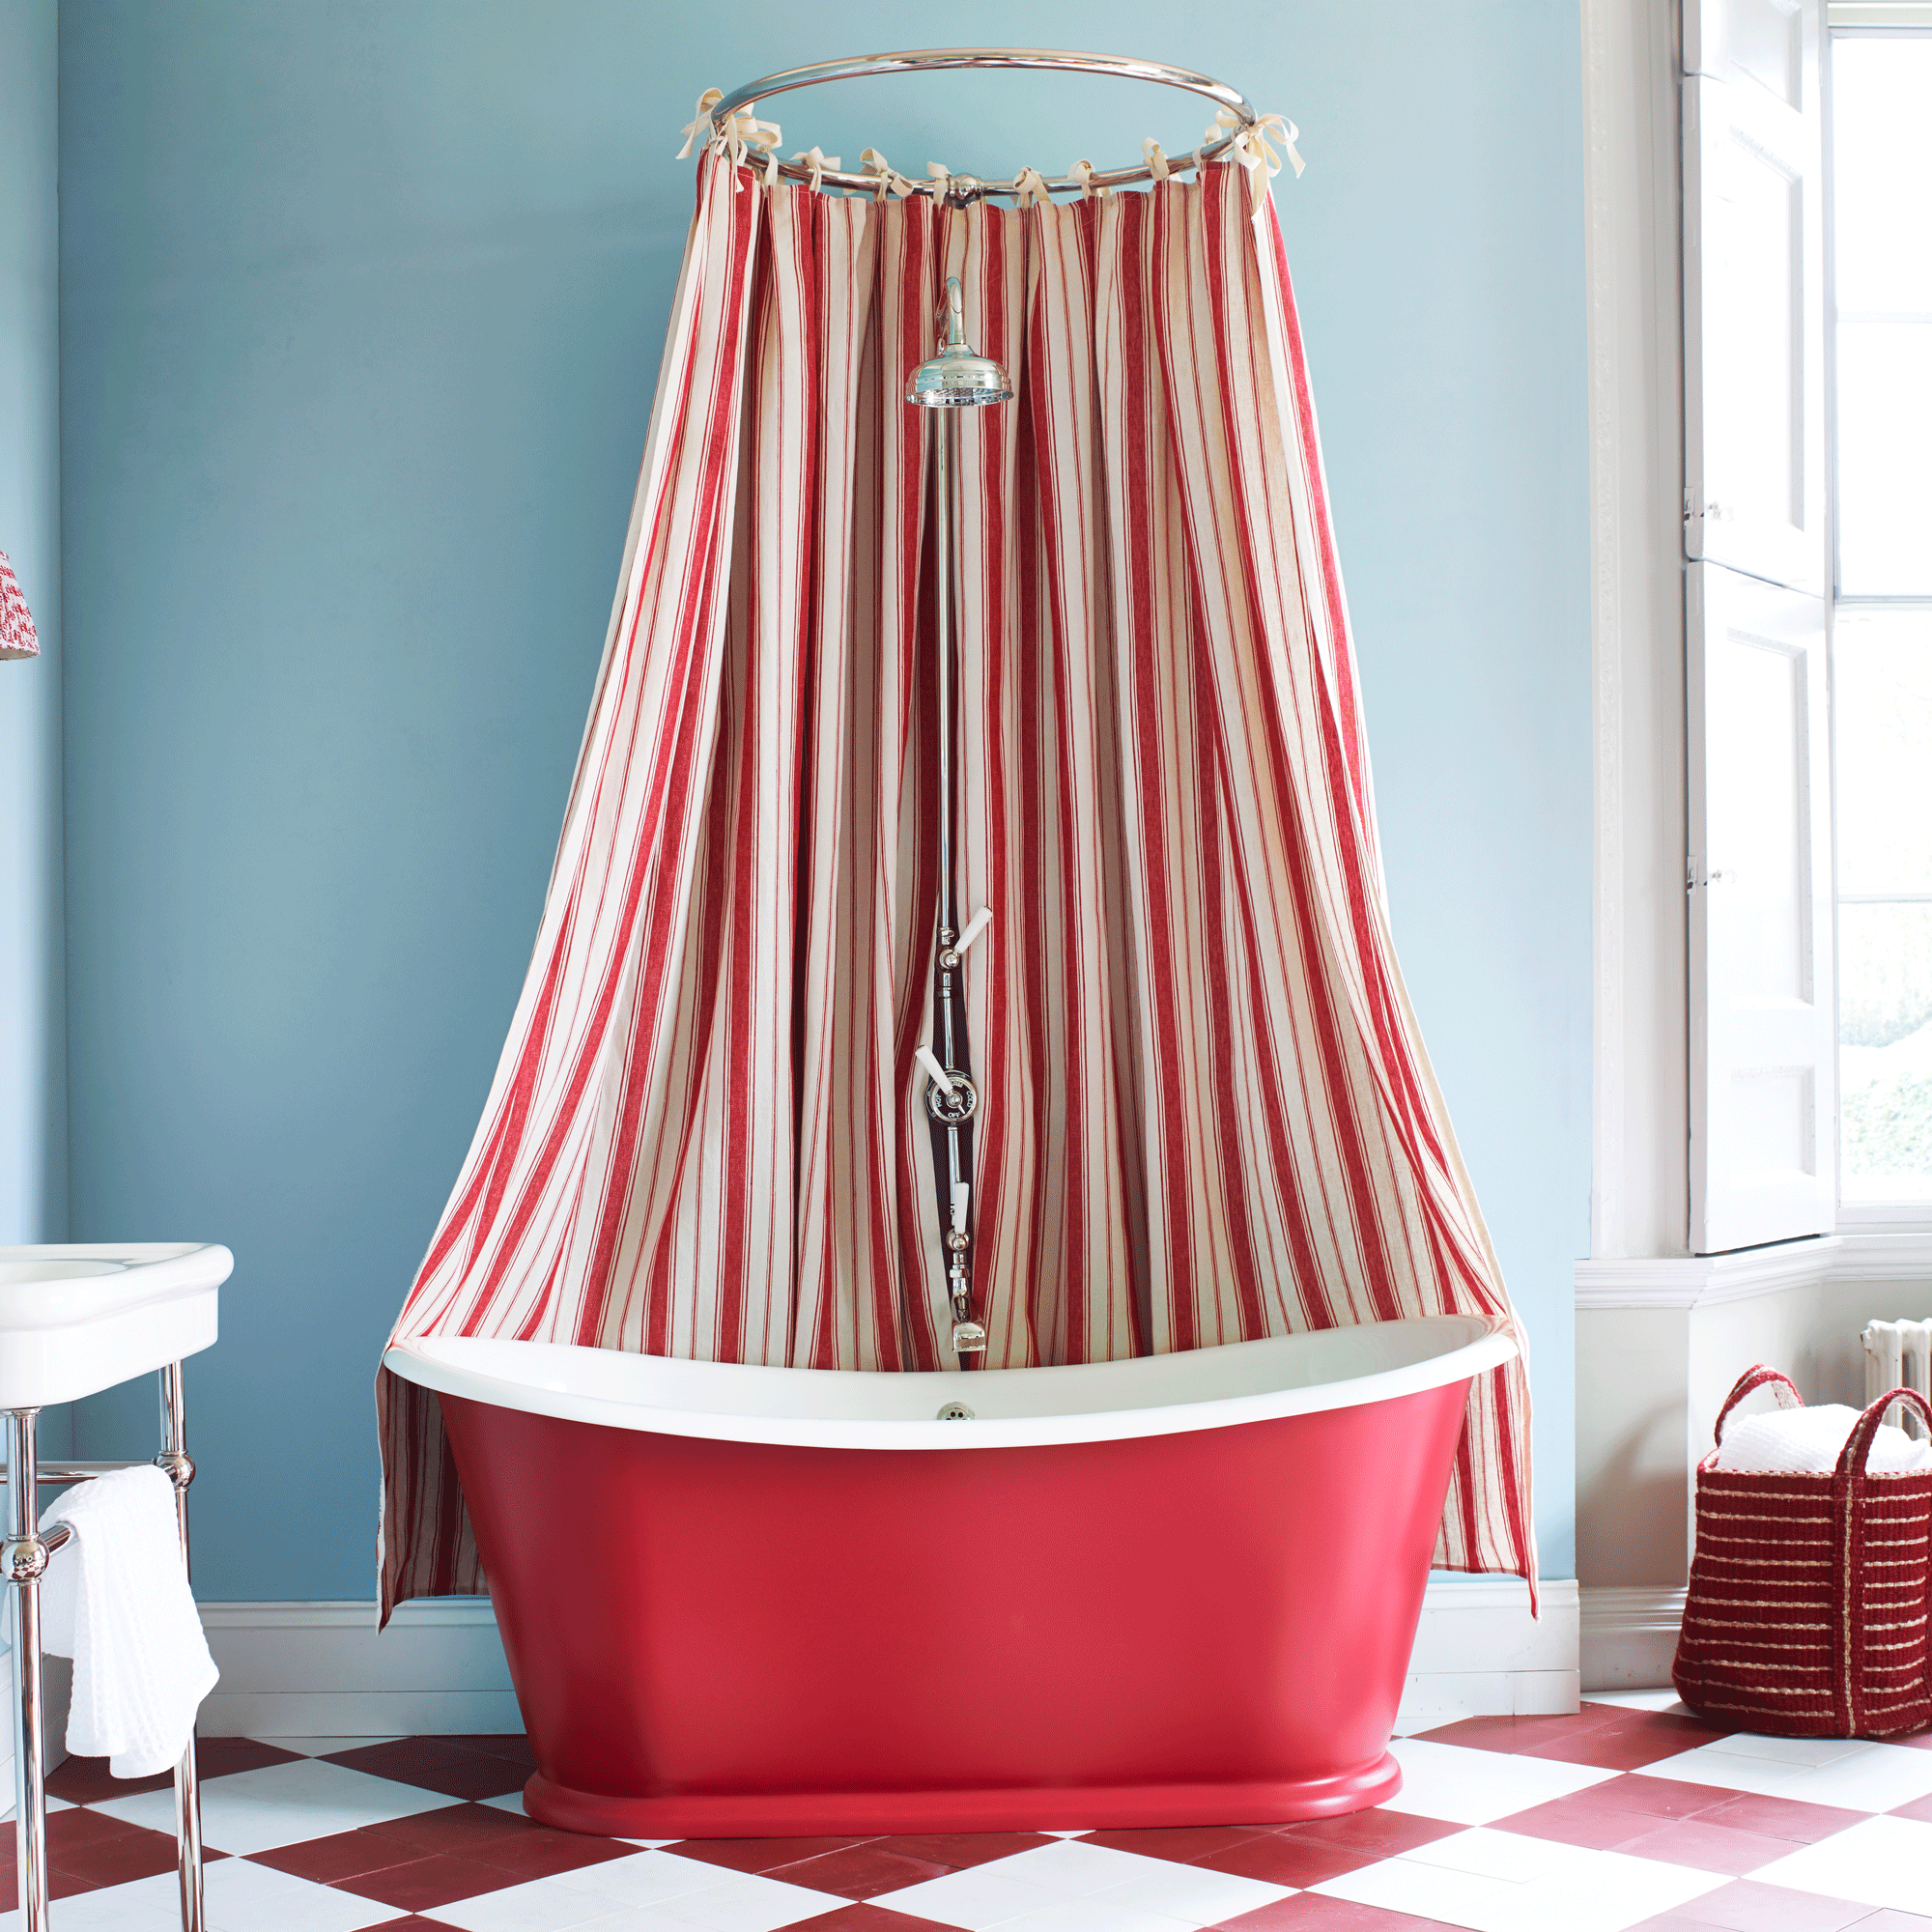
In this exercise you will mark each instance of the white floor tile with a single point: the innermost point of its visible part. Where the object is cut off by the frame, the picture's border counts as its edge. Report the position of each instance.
(1791, 1750)
(647, 1878)
(324, 1747)
(243, 1897)
(1863, 1777)
(1100, 1913)
(540, 1905)
(1640, 1700)
(1533, 1886)
(1427, 1892)
(282, 1804)
(1192, 1893)
(513, 1800)
(136, 1907)
(1880, 1862)
(1505, 1855)
(1608, 1895)
(1074, 1869)
(747, 1903)
(1472, 1787)
(973, 1899)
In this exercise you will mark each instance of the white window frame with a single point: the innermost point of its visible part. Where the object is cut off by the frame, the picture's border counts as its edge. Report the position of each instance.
(1864, 19)
(1633, 196)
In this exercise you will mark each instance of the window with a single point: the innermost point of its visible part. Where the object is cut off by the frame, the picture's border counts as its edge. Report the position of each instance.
(1881, 631)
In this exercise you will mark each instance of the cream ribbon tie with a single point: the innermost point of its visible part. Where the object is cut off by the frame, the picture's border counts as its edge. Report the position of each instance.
(1250, 147)
(889, 177)
(1150, 152)
(817, 160)
(744, 134)
(1030, 186)
(1083, 173)
(699, 126)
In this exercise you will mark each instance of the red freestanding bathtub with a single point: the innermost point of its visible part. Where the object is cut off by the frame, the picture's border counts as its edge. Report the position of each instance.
(745, 1601)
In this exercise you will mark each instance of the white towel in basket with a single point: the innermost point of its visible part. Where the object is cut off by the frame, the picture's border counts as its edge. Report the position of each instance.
(116, 1600)
(1808, 1441)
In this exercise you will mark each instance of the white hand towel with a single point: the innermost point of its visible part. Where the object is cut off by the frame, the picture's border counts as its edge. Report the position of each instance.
(1808, 1441)
(116, 1600)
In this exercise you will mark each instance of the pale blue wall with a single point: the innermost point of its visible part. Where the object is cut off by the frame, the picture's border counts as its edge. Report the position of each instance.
(364, 305)
(32, 1074)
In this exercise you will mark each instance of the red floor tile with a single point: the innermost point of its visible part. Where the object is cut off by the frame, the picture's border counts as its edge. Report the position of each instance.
(1278, 1860)
(423, 1884)
(1185, 1844)
(341, 1855)
(512, 1744)
(853, 1918)
(538, 1852)
(763, 1854)
(1661, 1796)
(121, 1858)
(458, 1829)
(60, 1885)
(1521, 1734)
(1750, 1907)
(1645, 1737)
(85, 1780)
(1312, 1912)
(955, 1850)
(1703, 1846)
(437, 1764)
(69, 1831)
(1577, 1821)
(858, 1872)
(1383, 1834)
(410, 1924)
(1781, 1817)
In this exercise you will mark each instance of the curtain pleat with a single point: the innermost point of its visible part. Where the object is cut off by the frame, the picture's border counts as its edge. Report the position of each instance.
(1206, 1115)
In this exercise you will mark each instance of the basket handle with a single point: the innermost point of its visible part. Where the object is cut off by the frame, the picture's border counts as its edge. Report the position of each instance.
(1864, 1432)
(1752, 1380)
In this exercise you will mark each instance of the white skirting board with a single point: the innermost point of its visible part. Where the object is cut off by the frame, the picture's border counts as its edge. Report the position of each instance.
(1630, 1635)
(322, 1670)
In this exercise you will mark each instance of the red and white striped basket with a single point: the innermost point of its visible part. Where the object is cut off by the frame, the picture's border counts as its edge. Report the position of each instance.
(1811, 1596)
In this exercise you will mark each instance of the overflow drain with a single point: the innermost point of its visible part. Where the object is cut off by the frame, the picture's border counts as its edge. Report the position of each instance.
(954, 1411)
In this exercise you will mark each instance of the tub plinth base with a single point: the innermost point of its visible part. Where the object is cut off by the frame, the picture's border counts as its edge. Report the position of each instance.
(808, 1814)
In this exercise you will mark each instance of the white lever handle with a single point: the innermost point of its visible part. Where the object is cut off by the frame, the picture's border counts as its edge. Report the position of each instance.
(934, 1071)
(974, 927)
(962, 1193)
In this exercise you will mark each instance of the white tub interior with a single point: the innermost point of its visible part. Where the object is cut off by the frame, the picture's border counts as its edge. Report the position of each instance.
(1150, 1395)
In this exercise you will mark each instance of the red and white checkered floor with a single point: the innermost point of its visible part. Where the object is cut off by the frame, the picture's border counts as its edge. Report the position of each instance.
(1628, 1814)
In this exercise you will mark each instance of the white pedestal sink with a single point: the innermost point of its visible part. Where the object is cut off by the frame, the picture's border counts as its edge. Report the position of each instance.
(75, 1319)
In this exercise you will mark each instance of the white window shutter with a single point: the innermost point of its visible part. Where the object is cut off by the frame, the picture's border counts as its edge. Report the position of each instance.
(1763, 1021)
(1753, 305)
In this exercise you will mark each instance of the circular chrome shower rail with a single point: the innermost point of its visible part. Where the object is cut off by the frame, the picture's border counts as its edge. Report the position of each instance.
(933, 60)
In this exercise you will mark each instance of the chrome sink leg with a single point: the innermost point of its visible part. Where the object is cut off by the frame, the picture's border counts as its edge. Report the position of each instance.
(24, 1556)
(173, 1461)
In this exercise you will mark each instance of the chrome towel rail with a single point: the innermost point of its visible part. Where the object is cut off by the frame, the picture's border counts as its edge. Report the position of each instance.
(23, 1562)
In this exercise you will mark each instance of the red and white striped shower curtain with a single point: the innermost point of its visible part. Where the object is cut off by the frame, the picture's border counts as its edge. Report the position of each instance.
(1206, 1115)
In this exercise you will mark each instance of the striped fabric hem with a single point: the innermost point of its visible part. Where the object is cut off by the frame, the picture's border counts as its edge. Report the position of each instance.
(1207, 1113)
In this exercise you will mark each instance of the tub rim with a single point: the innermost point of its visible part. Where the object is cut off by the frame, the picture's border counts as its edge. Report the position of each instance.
(1483, 1348)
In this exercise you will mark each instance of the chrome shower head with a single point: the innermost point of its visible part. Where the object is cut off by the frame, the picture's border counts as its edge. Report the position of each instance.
(957, 378)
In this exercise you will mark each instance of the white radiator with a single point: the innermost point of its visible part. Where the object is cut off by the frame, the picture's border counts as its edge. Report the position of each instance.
(1898, 1354)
